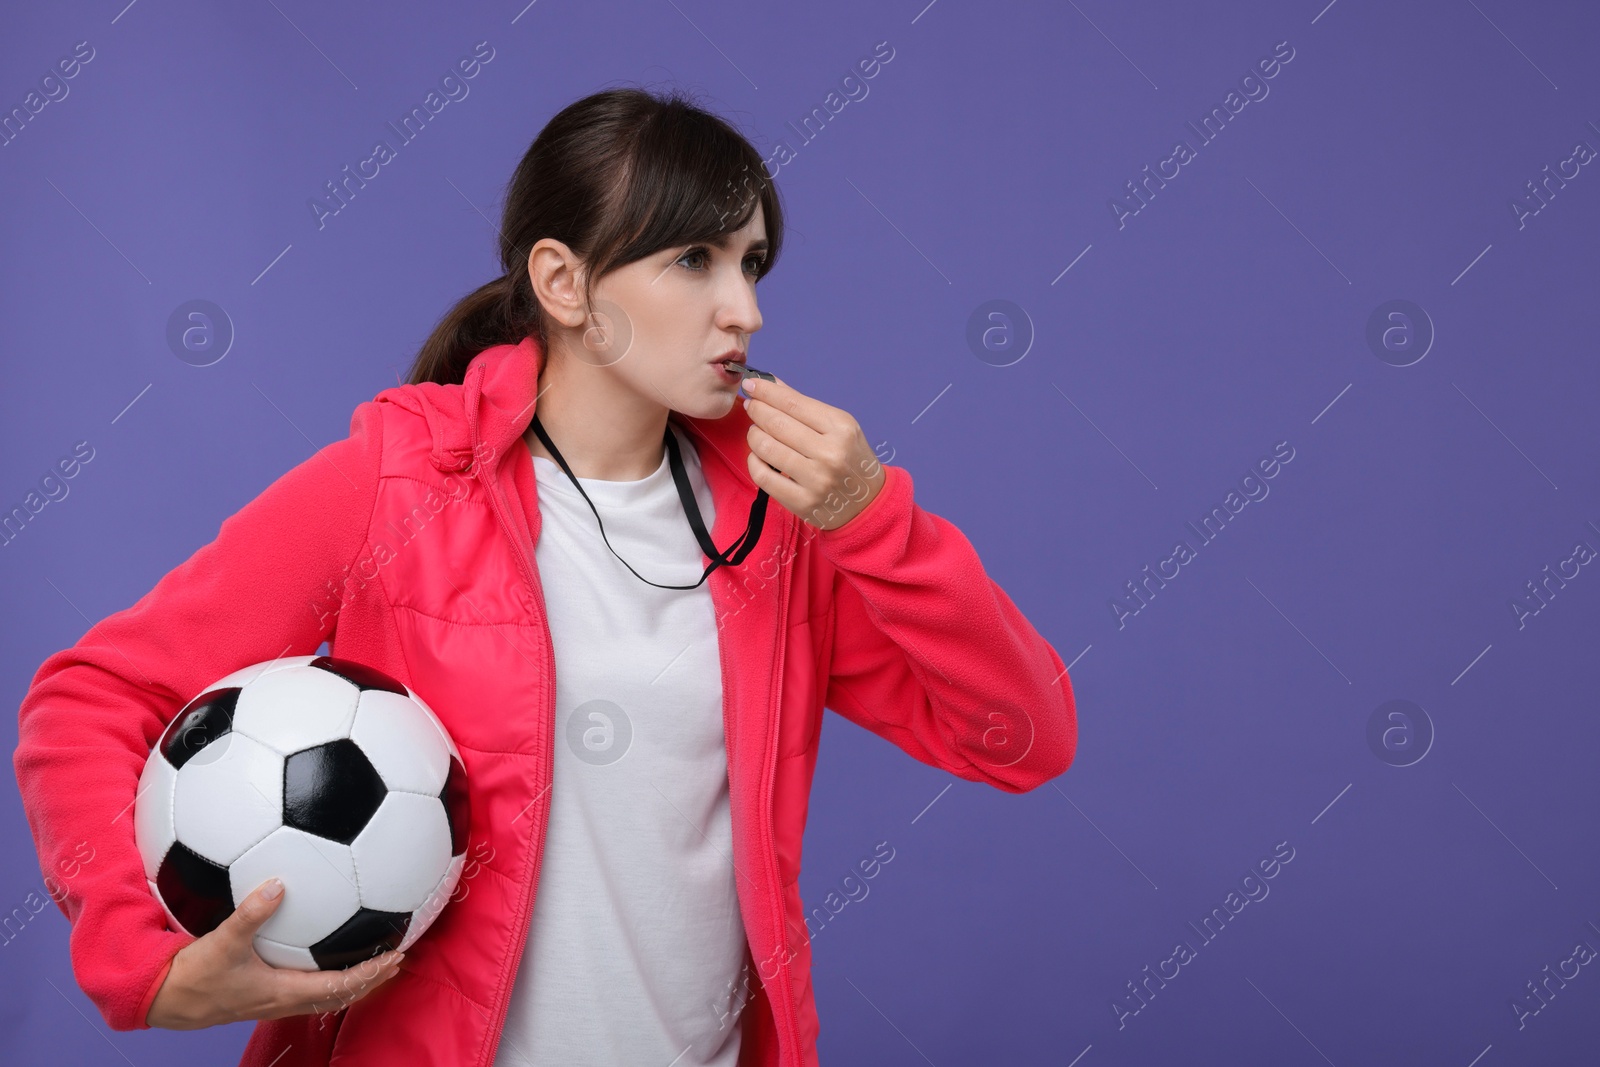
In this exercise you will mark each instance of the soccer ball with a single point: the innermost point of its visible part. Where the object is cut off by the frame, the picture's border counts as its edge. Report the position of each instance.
(325, 773)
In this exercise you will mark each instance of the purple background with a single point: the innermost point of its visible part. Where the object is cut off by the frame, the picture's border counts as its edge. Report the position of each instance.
(1228, 715)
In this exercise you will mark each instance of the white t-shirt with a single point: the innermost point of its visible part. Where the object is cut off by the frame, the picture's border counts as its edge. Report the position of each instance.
(637, 942)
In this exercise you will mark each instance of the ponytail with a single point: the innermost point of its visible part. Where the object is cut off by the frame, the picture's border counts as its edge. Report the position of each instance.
(498, 312)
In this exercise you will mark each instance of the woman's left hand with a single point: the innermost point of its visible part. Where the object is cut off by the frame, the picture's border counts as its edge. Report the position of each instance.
(826, 472)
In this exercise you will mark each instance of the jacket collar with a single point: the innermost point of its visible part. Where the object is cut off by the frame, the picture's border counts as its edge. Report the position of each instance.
(494, 405)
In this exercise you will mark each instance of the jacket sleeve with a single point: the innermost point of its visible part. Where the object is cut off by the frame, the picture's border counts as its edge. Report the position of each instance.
(260, 590)
(930, 654)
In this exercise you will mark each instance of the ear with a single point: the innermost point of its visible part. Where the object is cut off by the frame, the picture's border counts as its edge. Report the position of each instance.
(556, 274)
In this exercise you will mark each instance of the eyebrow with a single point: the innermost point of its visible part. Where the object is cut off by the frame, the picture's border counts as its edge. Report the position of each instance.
(760, 244)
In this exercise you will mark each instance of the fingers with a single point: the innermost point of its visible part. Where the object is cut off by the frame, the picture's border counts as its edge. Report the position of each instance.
(241, 925)
(225, 980)
(314, 992)
(783, 436)
(789, 414)
(778, 455)
(777, 486)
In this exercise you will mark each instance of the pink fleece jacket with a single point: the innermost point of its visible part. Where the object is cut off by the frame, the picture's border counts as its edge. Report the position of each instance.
(409, 546)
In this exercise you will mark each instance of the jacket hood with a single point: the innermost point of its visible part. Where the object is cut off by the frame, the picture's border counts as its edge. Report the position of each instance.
(495, 403)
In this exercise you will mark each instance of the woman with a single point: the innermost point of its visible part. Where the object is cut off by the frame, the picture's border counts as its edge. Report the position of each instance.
(558, 534)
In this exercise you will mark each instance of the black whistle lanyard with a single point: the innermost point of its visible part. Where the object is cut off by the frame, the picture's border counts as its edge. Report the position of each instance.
(736, 551)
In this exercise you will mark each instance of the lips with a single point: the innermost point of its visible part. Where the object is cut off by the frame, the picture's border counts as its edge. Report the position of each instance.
(731, 365)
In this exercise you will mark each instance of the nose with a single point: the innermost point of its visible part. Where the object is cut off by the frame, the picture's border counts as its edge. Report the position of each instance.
(739, 310)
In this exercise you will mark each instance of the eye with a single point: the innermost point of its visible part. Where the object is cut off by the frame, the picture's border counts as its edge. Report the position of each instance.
(700, 254)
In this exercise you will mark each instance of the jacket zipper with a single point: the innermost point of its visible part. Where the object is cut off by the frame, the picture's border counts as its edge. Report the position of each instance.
(499, 507)
(785, 1018)
(771, 852)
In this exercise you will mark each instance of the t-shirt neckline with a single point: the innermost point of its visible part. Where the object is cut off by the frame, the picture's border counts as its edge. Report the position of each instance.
(604, 490)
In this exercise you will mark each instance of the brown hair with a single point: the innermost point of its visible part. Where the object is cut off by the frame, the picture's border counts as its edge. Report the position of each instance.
(617, 176)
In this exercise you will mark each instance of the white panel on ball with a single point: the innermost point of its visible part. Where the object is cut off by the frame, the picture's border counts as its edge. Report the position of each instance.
(152, 814)
(402, 851)
(404, 744)
(448, 740)
(438, 898)
(279, 955)
(319, 884)
(228, 797)
(245, 675)
(296, 709)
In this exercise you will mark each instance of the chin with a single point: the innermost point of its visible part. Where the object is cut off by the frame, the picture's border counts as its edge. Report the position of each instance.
(714, 406)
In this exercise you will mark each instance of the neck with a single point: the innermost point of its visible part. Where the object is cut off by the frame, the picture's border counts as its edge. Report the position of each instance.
(604, 430)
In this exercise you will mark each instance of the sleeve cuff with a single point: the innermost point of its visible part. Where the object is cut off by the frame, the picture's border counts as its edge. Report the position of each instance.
(150, 994)
(880, 516)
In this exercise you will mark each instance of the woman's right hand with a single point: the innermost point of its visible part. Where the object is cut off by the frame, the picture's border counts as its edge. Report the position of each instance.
(218, 978)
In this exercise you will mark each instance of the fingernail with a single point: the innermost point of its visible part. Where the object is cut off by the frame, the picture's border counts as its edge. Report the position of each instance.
(273, 887)
(747, 404)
